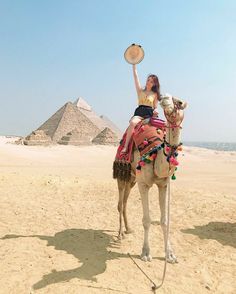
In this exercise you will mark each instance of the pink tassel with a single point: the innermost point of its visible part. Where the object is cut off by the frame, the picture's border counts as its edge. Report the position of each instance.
(142, 163)
(145, 142)
(167, 149)
(173, 161)
(154, 156)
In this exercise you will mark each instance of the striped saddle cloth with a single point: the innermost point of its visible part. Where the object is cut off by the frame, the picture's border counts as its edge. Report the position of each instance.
(149, 134)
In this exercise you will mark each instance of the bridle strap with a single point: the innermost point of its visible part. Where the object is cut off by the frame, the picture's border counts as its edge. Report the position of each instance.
(173, 114)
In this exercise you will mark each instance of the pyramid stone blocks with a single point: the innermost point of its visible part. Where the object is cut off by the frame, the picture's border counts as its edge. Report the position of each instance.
(74, 123)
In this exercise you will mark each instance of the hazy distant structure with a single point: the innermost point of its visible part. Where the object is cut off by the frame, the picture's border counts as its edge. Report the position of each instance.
(74, 124)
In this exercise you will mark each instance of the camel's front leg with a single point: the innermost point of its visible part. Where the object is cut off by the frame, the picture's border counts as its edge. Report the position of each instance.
(163, 221)
(143, 189)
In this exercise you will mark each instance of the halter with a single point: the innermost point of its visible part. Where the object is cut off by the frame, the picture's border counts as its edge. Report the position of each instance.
(172, 125)
(172, 116)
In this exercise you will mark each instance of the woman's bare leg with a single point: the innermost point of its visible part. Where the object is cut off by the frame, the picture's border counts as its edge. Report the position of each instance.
(133, 123)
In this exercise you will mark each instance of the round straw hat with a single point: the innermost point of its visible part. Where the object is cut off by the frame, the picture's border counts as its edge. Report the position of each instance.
(134, 54)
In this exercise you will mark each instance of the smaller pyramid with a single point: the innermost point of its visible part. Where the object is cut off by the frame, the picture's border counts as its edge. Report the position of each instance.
(38, 137)
(111, 125)
(106, 137)
(75, 137)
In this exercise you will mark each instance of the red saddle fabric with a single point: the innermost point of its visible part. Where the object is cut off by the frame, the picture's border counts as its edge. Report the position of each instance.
(147, 136)
(122, 162)
(125, 156)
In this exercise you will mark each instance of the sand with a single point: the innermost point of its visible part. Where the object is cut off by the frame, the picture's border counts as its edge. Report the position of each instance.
(59, 222)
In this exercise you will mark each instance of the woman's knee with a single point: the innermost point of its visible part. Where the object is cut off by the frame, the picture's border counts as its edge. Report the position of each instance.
(134, 121)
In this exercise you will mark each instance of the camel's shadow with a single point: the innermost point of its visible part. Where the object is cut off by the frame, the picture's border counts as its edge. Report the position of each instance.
(90, 247)
(224, 233)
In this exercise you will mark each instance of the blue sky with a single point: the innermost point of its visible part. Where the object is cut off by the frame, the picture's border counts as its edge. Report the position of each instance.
(55, 51)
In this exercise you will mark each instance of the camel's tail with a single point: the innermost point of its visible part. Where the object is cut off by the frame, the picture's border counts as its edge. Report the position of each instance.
(122, 170)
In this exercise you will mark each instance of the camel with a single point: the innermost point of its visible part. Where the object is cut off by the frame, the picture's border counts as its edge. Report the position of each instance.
(157, 172)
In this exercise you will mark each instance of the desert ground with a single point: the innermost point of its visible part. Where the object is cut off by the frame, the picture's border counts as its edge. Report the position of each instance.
(59, 223)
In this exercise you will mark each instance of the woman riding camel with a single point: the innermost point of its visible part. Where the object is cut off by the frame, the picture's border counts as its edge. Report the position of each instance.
(147, 103)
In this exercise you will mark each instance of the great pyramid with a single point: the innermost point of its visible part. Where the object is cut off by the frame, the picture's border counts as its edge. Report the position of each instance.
(74, 122)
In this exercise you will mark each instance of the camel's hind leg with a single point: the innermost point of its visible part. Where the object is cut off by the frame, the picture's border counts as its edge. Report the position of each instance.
(128, 188)
(163, 207)
(124, 191)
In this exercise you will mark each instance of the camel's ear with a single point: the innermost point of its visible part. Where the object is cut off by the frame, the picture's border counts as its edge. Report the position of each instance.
(166, 95)
(180, 103)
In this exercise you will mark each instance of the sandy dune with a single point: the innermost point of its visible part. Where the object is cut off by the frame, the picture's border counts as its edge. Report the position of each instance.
(59, 221)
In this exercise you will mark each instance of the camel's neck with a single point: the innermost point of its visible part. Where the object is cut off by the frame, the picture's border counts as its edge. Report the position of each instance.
(173, 135)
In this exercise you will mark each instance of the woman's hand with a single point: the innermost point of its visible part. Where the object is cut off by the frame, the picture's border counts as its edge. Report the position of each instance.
(155, 112)
(155, 104)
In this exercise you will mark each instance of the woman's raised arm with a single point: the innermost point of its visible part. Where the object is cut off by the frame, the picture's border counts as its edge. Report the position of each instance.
(136, 79)
(155, 104)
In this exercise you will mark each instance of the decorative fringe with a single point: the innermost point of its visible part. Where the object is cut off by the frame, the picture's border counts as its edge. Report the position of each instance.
(122, 170)
(169, 151)
(149, 156)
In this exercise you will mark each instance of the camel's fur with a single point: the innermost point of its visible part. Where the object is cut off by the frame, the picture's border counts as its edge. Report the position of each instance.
(157, 173)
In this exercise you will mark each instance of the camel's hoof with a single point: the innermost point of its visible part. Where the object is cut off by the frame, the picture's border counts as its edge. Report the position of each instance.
(145, 255)
(146, 258)
(121, 236)
(172, 258)
(129, 231)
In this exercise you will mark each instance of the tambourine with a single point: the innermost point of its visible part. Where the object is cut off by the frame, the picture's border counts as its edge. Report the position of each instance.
(134, 54)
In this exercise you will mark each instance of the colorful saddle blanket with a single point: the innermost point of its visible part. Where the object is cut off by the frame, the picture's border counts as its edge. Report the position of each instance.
(148, 134)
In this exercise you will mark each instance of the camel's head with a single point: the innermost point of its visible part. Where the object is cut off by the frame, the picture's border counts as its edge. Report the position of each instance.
(173, 108)
(169, 103)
